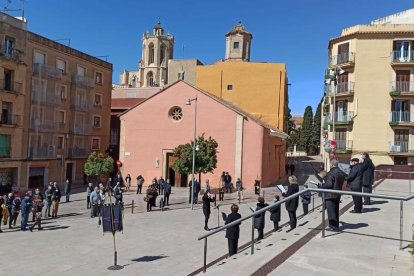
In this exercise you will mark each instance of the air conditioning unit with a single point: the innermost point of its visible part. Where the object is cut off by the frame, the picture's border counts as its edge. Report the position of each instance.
(395, 148)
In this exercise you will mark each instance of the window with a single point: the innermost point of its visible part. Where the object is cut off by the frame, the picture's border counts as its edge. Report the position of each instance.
(4, 145)
(151, 53)
(162, 53)
(235, 45)
(96, 121)
(96, 143)
(81, 71)
(181, 75)
(229, 87)
(61, 92)
(60, 116)
(39, 58)
(8, 79)
(61, 65)
(398, 160)
(150, 79)
(9, 46)
(6, 112)
(79, 142)
(59, 142)
(114, 136)
(175, 114)
(98, 100)
(98, 78)
(402, 51)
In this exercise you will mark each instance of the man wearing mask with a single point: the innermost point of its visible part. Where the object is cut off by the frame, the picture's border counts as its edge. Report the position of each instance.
(354, 181)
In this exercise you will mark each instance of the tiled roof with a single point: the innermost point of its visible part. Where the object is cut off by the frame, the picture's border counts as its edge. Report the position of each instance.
(125, 103)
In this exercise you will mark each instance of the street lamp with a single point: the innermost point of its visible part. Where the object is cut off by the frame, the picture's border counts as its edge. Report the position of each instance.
(188, 102)
(334, 78)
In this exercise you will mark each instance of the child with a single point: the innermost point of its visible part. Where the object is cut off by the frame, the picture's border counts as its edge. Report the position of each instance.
(275, 214)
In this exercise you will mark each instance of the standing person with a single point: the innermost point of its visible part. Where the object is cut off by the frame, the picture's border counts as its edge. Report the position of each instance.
(17, 202)
(227, 179)
(140, 182)
(197, 189)
(34, 208)
(89, 190)
(37, 202)
(68, 188)
(275, 214)
(207, 199)
(306, 200)
(354, 181)
(102, 194)
(292, 205)
(223, 179)
(287, 167)
(48, 198)
(292, 167)
(25, 209)
(118, 193)
(167, 192)
(239, 187)
(151, 195)
(259, 220)
(161, 185)
(9, 204)
(127, 182)
(222, 189)
(207, 186)
(55, 200)
(368, 169)
(95, 201)
(334, 181)
(5, 210)
(233, 232)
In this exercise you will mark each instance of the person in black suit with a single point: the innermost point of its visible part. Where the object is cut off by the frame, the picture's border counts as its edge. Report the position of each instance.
(354, 181)
(367, 176)
(334, 181)
(275, 214)
(259, 220)
(207, 199)
(232, 233)
(292, 205)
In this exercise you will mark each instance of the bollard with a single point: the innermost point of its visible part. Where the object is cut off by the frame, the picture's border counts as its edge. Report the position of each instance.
(323, 214)
(205, 256)
(218, 215)
(401, 224)
(252, 247)
(132, 207)
(215, 200)
(409, 185)
(313, 202)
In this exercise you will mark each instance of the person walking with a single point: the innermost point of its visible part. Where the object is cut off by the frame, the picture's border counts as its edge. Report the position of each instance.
(167, 192)
(68, 188)
(292, 205)
(48, 198)
(306, 200)
(95, 199)
(127, 182)
(17, 202)
(25, 209)
(275, 214)
(222, 189)
(233, 232)
(207, 199)
(368, 169)
(259, 220)
(354, 181)
(55, 200)
(140, 182)
(239, 187)
(37, 202)
(334, 181)
(89, 190)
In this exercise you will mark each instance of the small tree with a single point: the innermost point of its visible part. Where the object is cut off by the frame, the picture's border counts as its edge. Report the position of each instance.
(205, 157)
(97, 165)
(316, 132)
(305, 137)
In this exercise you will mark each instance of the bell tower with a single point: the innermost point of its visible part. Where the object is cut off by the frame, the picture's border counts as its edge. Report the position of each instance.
(238, 42)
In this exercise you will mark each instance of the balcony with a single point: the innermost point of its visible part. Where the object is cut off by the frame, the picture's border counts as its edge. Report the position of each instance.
(45, 71)
(77, 152)
(343, 60)
(401, 148)
(341, 118)
(83, 129)
(81, 106)
(10, 87)
(10, 120)
(402, 88)
(42, 152)
(45, 126)
(343, 146)
(402, 58)
(401, 118)
(11, 54)
(343, 89)
(45, 99)
(83, 81)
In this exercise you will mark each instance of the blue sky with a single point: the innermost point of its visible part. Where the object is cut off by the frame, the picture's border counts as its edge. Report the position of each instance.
(295, 32)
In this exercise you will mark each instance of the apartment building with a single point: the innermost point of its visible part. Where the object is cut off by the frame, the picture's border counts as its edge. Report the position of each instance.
(60, 111)
(369, 102)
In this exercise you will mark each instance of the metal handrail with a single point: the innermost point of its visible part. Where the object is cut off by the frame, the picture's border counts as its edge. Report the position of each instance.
(296, 195)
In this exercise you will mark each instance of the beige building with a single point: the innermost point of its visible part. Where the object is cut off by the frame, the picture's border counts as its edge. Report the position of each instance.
(371, 103)
(63, 97)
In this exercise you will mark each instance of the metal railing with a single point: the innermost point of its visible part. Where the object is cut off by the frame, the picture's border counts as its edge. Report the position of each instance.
(83, 81)
(84, 129)
(344, 144)
(11, 53)
(340, 117)
(10, 119)
(400, 116)
(322, 191)
(47, 99)
(345, 87)
(43, 70)
(81, 105)
(401, 146)
(343, 58)
(42, 152)
(402, 56)
(44, 125)
(389, 174)
(402, 86)
(11, 87)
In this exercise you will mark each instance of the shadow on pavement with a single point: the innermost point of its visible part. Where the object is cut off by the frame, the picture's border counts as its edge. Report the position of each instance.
(353, 225)
(148, 258)
(369, 210)
(378, 202)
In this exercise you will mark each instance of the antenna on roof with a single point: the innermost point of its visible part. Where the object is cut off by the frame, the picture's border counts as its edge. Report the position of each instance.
(106, 57)
(61, 39)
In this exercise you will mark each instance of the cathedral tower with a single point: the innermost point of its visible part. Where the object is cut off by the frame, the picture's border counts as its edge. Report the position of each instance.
(238, 42)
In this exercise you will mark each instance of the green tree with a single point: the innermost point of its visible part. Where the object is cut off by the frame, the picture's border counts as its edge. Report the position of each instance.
(205, 157)
(305, 137)
(316, 132)
(98, 165)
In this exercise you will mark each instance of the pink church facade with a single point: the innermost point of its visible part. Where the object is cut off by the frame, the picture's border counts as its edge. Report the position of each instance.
(247, 147)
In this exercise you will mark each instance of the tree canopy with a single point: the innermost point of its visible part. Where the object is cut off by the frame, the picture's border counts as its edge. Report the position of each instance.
(98, 164)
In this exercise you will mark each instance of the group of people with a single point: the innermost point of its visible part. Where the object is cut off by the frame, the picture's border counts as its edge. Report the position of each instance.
(32, 203)
(158, 187)
(96, 196)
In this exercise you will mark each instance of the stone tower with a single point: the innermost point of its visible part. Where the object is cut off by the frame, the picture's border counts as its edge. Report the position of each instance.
(238, 42)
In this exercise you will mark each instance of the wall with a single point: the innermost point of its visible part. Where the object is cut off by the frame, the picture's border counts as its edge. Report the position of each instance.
(188, 66)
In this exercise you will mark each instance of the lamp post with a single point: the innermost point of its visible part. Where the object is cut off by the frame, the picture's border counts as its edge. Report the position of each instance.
(334, 78)
(188, 102)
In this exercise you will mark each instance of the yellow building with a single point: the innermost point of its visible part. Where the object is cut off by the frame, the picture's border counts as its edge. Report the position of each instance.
(55, 107)
(371, 102)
